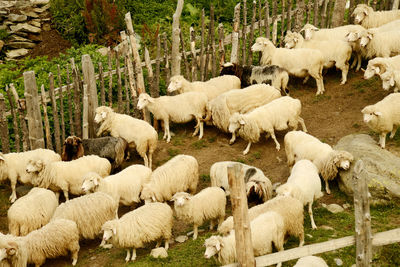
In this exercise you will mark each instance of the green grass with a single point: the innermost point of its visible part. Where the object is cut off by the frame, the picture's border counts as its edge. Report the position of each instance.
(199, 144)
(319, 98)
(356, 125)
(205, 177)
(240, 160)
(173, 152)
(362, 84)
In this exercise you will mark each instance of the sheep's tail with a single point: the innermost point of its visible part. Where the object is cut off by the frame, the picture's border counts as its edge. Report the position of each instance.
(284, 83)
(120, 148)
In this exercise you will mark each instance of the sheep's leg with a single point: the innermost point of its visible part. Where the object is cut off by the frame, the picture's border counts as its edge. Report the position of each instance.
(196, 130)
(303, 125)
(146, 160)
(345, 71)
(278, 146)
(150, 159)
(328, 191)
(306, 79)
(166, 244)
(128, 255)
(166, 125)
(359, 59)
(13, 195)
(74, 256)
(133, 258)
(393, 132)
(247, 149)
(382, 139)
(201, 130)
(301, 238)
(313, 225)
(233, 138)
(158, 243)
(211, 224)
(220, 221)
(66, 195)
(195, 231)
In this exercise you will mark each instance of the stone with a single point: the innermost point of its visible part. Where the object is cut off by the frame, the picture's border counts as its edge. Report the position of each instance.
(35, 23)
(7, 4)
(46, 27)
(334, 208)
(326, 227)
(309, 236)
(17, 18)
(39, 2)
(17, 53)
(181, 238)
(41, 9)
(338, 262)
(103, 51)
(30, 14)
(346, 206)
(159, 253)
(20, 45)
(381, 168)
(25, 27)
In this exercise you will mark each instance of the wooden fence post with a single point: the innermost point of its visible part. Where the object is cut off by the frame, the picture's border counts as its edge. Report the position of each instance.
(49, 144)
(85, 117)
(110, 83)
(166, 59)
(362, 217)
(90, 80)
(235, 35)
(251, 40)
(4, 134)
(119, 81)
(193, 52)
(55, 114)
(212, 37)
(15, 119)
(244, 33)
(35, 125)
(69, 99)
(221, 45)
(175, 55)
(244, 247)
(201, 64)
(61, 97)
(21, 106)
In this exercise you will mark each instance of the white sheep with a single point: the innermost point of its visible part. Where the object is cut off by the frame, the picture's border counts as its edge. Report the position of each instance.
(336, 52)
(368, 18)
(31, 211)
(303, 184)
(267, 229)
(383, 117)
(279, 114)
(179, 174)
(89, 212)
(391, 78)
(124, 187)
(288, 207)
(151, 222)
(311, 261)
(244, 100)
(380, 65)
(66, 176)
(299, 145)
(55, 239)
(179, 109)
(254, 179)
(211, 88)
(13, 166)
(299, 62)
(137, 133)
(208, 204)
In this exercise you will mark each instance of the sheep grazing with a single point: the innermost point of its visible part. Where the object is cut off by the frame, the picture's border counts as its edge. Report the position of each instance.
(288, 207)
(148, 223)
(222, 107)
(208, 204)
(256, 182)
(380, 65)
(137, 133)
(383, 117)
(124, 187)
(89, 212)
(336, 52)
(249, 75)
(66, 176)
(299, 145)
(179, 109)
(179, 174)
(298, 62)
(311, 261)
(267, 229)
(211, 88)
(391, 78)
(31, 211)
(303, 184)
(55, 239)
(368, 18)
(13, 166)
(279, 114)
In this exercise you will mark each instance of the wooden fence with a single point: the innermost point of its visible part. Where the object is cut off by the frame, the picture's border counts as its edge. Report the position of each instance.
(44, 118)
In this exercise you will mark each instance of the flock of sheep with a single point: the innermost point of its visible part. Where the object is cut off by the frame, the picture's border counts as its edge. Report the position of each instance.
(40, 227)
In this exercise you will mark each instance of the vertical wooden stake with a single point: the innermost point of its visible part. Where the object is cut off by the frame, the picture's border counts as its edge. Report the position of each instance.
(175, 55)
(126, 85)
(15, 119)
(150, 75)
(21, 106)
(110, 83)
(221, 45)
(244, 33)
(185, 60)
(201, 66)
(266, 21)
(119, 82)
(158, 63)
(85, 121)
(4, 134)
(61, 97)
(55, 114)
(102, 88)
(49, 143)
(90, 80)
(193, 51)
(212, 37)
(253, 21)
(235, 35)
(69, 97)
(166, 60)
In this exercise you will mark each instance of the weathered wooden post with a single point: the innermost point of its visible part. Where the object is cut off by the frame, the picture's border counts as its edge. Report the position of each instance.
(244, 247)
(175, 55)
(221, 45)
(193, 52)
(49, 144)
(35, 125)
(15, 119)
(85, 117)
(235, 35)
(251, 39)
(21, 106)
(244, 33)
(362, 217)
(90, 80)
(4, 134)
(61, 97)
(202, 61)
(55, 114)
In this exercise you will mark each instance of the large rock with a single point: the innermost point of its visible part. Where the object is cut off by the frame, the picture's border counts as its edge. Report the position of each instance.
(381, 168)
(17, 17)
(159, 253)
(21, 45)
(30, 14)
(25, 27)
(12, 54)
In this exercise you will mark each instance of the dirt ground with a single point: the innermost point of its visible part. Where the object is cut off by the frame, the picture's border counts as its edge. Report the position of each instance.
(328, 117)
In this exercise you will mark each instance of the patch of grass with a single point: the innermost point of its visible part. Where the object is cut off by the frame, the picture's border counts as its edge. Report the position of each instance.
(173, 152)
(362, 84)
(240, 160)
(178, 141)
(199, 144)
(356, 125)
(211, 139)
(205, 177)
(319, 98)
(256, 155)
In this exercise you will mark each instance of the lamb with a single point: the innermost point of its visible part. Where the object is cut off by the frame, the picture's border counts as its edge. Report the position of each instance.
(222, 107)
(31, 211)
(276, 115)
(179, 109)
(13, 166)
(137, 133)
(53, 240)
(299, 145)
(368, 18)
(299, 62)
(303, 184)
(248, 75)
(89, 212)
(289, 208)
(148, 223)
(124, 187)
(383, 117)
(256, 182)
(391, 78)
(380, 65)
(311, 261)
(66, 176)
(266, 230)
(180, 173)
(208, 204)
(336, 52)
(211, 88)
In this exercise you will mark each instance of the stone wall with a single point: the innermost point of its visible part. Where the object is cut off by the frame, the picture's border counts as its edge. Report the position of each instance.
(24, 21)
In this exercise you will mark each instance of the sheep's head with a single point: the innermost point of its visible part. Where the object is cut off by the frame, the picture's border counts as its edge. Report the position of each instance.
(102, 113)
(360, 12)
(352, 36)
(8, 249)
(213, 246)
(292, 39)
(34, 166)
(181, 198)
(375, 66)
(109, 230)
(309, 30)
(147, 194)
(176, 83)
(365, 37)
(371, 115)
(91, 181)
(144, 100)
(235, 122)
(260, 44)
(342, 159)
(228, 69)
(388, 80)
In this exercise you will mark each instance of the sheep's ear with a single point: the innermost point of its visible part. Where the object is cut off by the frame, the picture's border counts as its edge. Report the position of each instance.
(391, 81)
(11, 248)
(114, 230)
(218, 246)
(377, 70)
(370, 36)
(151, 100)
(241, 121)
(377, 113)
(2, 157)
(153, 198)
(96, 181)
(103, 114)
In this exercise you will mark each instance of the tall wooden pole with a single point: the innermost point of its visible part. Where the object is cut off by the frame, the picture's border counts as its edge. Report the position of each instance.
(235, 35)
(175, 55)
(4, 134)
(90, 80)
